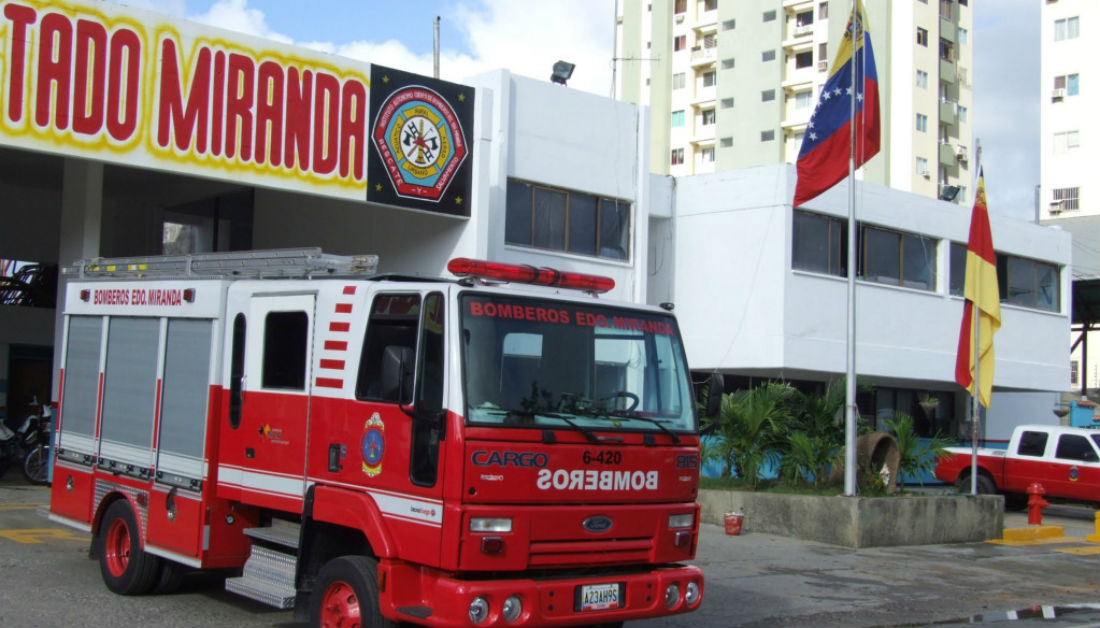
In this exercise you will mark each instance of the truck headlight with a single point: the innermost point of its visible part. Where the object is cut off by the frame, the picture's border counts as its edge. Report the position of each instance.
(682, 521)
(691, 593)
(512, 608)
(672, 595)
(490, 524)
(479, 610)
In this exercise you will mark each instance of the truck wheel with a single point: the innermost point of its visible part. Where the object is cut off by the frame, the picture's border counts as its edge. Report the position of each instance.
(346, 594)
(126, 568)
(986, 486)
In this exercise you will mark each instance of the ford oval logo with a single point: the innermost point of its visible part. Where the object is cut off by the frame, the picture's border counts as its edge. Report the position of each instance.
(597, 524)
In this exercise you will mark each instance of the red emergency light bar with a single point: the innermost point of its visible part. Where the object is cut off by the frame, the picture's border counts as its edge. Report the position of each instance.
(523, 273)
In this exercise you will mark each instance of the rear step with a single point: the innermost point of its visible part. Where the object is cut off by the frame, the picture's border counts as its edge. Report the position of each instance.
(268, 575)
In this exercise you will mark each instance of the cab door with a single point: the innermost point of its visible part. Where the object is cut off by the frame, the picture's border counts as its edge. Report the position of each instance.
(264, 444)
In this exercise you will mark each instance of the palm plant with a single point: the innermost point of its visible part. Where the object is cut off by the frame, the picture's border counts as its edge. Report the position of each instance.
(747, 428)
(809, 457)
(918, 455)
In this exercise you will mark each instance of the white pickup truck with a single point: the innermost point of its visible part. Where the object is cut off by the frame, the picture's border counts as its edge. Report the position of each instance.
(1064, 460)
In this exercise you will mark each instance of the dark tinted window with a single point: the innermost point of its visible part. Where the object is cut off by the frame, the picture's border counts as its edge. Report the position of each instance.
(1075, 447)
(285, 349)
(1032, 443)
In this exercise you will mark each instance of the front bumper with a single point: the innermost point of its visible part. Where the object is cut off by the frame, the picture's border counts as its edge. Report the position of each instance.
(438, 598)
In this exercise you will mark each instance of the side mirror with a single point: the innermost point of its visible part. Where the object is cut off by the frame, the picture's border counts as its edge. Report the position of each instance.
(715, 387)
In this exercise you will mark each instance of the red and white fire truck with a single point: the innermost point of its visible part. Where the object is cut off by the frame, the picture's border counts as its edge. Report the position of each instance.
(368, 448)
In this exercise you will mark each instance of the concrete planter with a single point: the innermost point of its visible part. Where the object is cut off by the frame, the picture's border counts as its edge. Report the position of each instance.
(862, 521)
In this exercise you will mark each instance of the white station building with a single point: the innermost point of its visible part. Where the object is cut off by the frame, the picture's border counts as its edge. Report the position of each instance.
(126, 133)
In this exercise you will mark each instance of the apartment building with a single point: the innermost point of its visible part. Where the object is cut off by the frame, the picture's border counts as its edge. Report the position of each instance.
(1070, 157)
(732, 83)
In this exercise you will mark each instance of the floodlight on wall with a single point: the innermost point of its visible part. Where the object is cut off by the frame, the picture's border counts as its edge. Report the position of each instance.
(949, 192)
(562, 71)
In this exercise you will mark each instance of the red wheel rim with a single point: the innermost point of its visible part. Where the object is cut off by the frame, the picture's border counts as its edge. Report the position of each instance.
(116, 547)
(340, 607)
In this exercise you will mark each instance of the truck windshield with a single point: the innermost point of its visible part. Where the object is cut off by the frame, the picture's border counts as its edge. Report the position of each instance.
(529, 362)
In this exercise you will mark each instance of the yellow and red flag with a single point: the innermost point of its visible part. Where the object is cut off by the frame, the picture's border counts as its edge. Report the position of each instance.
(983, 292)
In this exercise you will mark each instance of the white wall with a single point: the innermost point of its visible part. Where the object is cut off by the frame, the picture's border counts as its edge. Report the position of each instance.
(742, 308)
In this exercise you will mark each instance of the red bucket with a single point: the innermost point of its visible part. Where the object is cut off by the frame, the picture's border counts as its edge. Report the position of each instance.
(733, 523)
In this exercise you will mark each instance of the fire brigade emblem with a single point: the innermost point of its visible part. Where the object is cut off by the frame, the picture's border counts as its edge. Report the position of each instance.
(374, 445)
(421, 141)
(1074, 474)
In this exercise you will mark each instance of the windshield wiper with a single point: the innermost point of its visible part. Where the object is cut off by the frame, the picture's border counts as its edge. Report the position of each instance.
(528, 414)
(630, 414)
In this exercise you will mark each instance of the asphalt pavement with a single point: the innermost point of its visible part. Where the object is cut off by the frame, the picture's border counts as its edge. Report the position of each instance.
(753, 579)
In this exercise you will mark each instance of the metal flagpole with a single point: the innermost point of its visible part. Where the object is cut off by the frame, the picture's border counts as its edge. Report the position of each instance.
(850, 382)
(975, 399)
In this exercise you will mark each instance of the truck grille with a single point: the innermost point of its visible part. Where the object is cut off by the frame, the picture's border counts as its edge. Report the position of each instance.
(603, 551)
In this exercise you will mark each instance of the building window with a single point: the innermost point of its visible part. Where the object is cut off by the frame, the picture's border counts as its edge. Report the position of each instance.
(1067, 82)
(769, 16)
(823, 11)
(804, 59)
(1068, 28)
(679, 42)
(680, 6)
(677, 156)
(819, 244)
(710, 78)
(729, 25)
(922, 79)
(964, 37)
(897, 258)
(727, 103)
(803, 100)
(963, 113)
(1028, 282)
(922, 37)
(947, 50)
(678, 118)
(726, 142)
(957, 274)
(561, 220)
(767, 95)
(805, 18)
(710, 5)
(822, 51)
(767, 136)
(922, 123)
(708, 117)
(707, 155)
(1074, 372)
(679, 80)
(1064, 142)
(767, 55)
(1066, 198)
(727, 64)
(922, 167)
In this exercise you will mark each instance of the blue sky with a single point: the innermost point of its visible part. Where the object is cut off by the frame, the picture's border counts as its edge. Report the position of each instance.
(527, 36)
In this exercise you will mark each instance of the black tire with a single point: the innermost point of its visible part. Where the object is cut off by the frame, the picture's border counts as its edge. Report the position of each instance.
(347, 586)
(170, 577)
(1015, 501)
(123, 563)
(986, 485)
(36, 465)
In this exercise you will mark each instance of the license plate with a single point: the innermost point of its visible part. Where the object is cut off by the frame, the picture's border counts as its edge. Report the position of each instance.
(599, 597)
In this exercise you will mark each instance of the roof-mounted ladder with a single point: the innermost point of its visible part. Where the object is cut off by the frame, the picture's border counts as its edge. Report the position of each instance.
(287, 263)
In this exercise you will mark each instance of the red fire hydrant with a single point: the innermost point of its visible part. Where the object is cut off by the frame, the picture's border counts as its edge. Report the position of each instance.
(1035, 504)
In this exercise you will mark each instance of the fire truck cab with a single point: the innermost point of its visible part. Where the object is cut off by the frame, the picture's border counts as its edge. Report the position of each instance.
(501, 449)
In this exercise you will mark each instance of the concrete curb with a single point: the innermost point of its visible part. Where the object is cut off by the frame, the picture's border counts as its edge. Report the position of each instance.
(862, 521)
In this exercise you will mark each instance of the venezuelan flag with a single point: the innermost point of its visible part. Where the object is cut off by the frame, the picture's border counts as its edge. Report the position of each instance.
(823, 158)
(982, 291)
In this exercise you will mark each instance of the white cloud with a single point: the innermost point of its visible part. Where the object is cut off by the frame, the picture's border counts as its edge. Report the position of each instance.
(523, 37)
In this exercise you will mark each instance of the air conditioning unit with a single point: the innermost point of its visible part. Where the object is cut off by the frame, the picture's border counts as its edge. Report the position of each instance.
(679, 18)
(822, 65)
(960, 153)
(1058, 93)
(799, 31)
(924, 173)
(1056, 207)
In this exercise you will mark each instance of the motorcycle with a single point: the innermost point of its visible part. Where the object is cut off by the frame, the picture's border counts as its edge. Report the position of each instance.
(36, 433)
